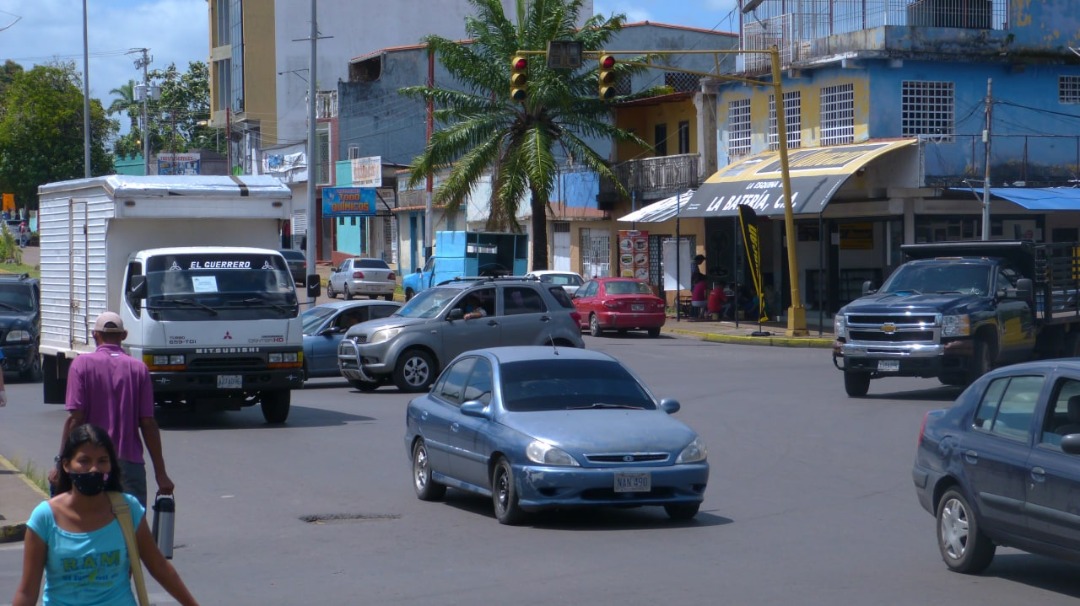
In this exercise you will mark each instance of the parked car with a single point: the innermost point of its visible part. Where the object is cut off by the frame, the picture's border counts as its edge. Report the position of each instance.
(20, 325)
(297, 264)
(412, 345)
(569, 280)
(360, 276)
(620, 304)
(1001, 467)
(324, 326)
(545, 427)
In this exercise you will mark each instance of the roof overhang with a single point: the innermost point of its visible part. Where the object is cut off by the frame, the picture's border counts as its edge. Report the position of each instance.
(816, 174)
(661, 211)
(1035, 198)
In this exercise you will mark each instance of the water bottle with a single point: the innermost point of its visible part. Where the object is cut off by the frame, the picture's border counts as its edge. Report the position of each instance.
(164, 523)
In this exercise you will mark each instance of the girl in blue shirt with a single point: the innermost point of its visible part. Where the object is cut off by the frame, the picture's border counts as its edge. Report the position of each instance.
(75, 540)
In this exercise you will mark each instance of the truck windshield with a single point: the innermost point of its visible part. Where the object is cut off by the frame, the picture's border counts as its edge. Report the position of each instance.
(428, 303)
(219, 287)
(939, 278)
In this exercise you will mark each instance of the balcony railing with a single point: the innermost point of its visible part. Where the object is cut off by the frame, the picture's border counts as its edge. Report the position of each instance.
(652, 178)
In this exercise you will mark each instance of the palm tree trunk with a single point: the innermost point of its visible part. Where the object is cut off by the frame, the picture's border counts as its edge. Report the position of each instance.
(539, 232)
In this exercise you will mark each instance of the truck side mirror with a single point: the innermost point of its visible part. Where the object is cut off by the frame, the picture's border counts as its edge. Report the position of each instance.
(137, 288)
(868, 288)
(417, 270)
(1024, 289)
(314, 286)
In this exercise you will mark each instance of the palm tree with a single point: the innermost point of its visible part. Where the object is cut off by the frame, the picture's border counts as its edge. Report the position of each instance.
(483, 130)
(124, 102)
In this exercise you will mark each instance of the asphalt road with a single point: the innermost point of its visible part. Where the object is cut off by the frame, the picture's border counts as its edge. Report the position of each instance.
(810, 502)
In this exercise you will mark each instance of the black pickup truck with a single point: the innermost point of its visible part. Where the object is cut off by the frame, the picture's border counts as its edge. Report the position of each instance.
(955, 310)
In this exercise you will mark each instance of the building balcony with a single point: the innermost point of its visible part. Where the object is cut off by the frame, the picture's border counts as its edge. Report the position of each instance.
(652, 178)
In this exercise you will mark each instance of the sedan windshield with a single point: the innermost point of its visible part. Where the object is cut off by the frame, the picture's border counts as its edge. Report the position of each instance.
(961, 278)
(428, 303)
(537, 385)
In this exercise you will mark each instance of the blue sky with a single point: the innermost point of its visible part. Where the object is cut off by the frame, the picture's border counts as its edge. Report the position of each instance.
(175, 31)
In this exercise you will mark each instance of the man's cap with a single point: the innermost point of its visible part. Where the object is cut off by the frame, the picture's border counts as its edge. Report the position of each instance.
(109, 322)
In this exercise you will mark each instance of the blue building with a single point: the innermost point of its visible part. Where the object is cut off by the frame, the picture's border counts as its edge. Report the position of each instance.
(888, 106)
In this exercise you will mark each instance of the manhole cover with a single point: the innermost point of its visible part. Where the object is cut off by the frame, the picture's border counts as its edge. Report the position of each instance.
(337, 518)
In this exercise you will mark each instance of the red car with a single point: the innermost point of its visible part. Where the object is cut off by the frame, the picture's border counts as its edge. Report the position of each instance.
(620, 304)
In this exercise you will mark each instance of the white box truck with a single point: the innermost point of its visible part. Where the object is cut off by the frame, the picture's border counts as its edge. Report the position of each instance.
(191, 265)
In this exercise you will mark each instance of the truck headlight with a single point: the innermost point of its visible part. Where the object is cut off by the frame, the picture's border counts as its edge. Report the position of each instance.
(18, 336)
(384, 334)
(278, 358)
(956, 326)
(840, 326)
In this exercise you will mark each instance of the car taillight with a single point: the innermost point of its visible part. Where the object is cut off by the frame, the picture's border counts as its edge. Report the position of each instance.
(390, 276)
(611, 304)
(576, 316)
(358, 275)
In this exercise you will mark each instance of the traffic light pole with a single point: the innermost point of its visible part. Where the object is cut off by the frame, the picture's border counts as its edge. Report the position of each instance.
(796, 315)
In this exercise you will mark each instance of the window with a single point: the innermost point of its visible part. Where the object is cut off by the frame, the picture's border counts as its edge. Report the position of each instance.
(680, 82)
(792, 121)
(838, 114)
(684, 137)
(221, 23)
(1069, 89)
(1008, 407)
(222, 84)
(322, 154)
(927, 109)
(480, 383)
(595, 253)
(660, 139)
(738, 127)
(521, 300)
(452, 386)
(1063, 418)
(236, 41)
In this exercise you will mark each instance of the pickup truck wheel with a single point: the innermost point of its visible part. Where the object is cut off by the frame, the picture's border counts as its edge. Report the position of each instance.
(409, 294)
(415, 371)
(275, 405)
(33, 373)
(365, 386)
(980, 361)
(962, 543)
(856, 384)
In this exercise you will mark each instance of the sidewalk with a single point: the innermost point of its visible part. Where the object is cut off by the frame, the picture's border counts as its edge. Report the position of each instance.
(18, 498)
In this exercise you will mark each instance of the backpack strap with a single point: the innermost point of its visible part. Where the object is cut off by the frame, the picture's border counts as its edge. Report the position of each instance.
(125, 517)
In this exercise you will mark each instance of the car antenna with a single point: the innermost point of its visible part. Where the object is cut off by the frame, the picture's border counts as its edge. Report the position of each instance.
(554, 346)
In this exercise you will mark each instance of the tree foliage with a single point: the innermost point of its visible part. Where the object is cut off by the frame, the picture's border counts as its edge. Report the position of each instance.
(481, 130)
(41, 131)
(178, 118)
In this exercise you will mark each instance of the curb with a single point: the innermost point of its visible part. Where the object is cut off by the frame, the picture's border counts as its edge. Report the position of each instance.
(770, 341)
(12, 533)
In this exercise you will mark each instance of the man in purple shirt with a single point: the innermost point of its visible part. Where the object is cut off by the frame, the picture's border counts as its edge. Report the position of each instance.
(112, 390)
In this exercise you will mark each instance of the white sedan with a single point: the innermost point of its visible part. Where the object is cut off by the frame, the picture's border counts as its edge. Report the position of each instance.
(360, 276)
(567, 279)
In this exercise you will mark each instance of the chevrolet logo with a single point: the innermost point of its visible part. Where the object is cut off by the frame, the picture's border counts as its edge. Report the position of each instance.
(888, 328)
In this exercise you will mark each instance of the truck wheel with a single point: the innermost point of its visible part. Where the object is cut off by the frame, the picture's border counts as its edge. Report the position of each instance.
(54, 386)
(415, 371)
(275, 405)
(365, 386)
(981, 362)
(33, 373)
(856, 384)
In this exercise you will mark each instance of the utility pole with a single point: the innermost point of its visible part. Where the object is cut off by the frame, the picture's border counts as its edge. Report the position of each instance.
(142, 64)
(429, 220)
(309, 251)
(86, 95)
(986, 173)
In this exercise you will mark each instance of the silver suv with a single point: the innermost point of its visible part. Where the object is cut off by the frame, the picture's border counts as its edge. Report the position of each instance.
(412, 345)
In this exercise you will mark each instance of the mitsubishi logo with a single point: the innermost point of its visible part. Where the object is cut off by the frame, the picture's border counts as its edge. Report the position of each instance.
(888, 328)
(227, 335)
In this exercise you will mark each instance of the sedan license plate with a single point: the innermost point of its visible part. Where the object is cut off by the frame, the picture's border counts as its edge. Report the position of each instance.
(637, 307)
(633, 482)
(888, 365)
(230, 381)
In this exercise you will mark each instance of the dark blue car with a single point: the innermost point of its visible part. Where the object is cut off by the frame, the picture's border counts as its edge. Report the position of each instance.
(1001, 468)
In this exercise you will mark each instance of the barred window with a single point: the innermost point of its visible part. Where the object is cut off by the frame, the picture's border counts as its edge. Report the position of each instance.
(680, 82)
(927, 108)
(838, 114)
(792, 121)
(738, 128)
(1069, 89)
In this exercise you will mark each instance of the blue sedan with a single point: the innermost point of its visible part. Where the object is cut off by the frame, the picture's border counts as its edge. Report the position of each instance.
(1001, 468)
(324, 325)
(546, 428)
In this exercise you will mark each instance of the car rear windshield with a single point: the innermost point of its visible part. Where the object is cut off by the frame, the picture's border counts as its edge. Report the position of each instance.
(560, 295)
(543, 385)
(628, 288)
(293, 255)
(562, 279)
(370, 263)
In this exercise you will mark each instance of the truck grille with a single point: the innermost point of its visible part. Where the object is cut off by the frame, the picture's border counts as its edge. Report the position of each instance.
(879, 319)
(899, 328)
(894, 337)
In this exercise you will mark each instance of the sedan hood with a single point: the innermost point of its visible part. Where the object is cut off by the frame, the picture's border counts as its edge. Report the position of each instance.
(603, 431)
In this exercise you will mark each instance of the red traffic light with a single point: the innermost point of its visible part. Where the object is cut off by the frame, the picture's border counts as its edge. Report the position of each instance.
(520, 63)
(607, 62)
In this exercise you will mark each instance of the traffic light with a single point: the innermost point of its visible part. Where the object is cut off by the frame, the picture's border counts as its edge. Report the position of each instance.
(606, 76)
(519, 78)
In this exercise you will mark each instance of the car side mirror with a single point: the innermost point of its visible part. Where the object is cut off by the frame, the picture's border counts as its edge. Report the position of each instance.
(455, 314)
(670, 406)
(417, 270)
(137, 288)
(314, 286)
(1070, 444)
(474, 408)
(868, 288)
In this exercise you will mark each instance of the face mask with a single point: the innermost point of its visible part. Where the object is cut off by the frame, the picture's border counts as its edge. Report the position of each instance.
(89, 483)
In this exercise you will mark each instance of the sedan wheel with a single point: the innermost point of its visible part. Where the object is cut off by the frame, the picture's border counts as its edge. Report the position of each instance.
(654, 333)
(962, 543)
(346, 292)
(389, 297)
(330, 290)
(504, 495)
(426, 488)
(594, 326)
(682, 511)
(415, 371)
